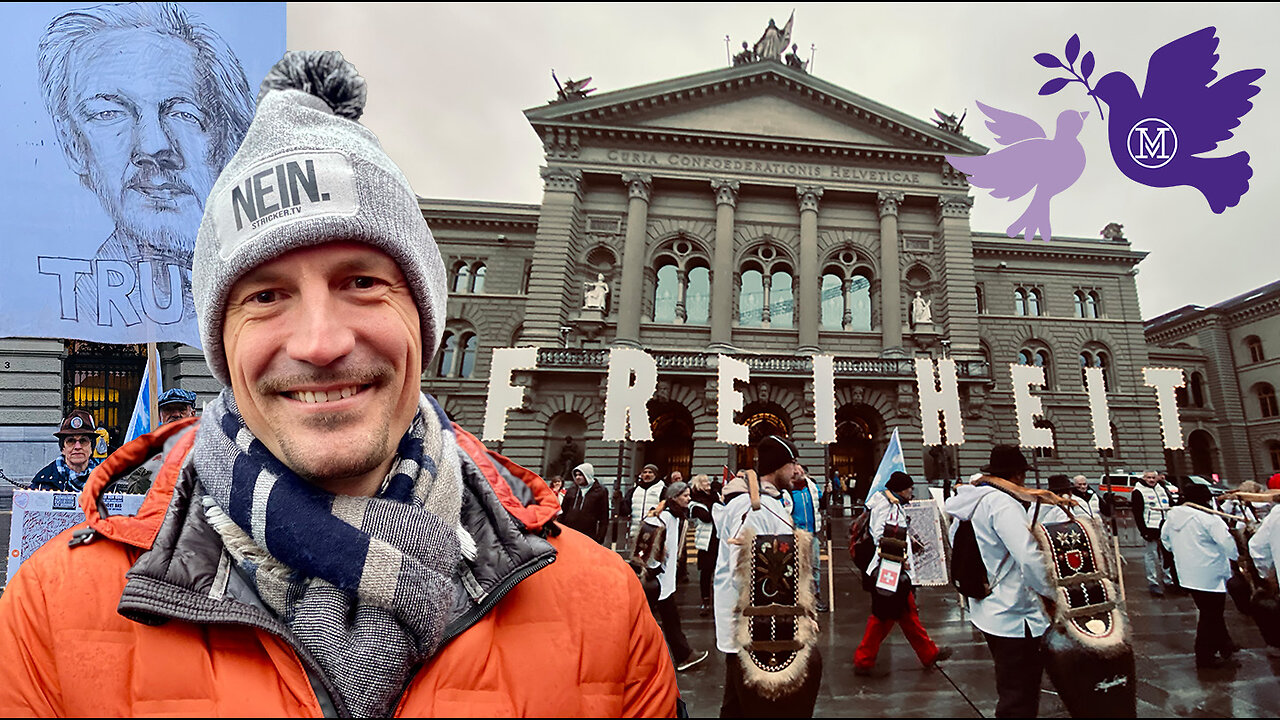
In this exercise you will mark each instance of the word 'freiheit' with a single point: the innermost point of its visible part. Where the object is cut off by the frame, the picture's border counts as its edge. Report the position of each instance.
(633, 378)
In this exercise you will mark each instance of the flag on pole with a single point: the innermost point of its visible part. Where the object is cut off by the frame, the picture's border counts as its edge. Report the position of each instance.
(140, 421)
(889, 464)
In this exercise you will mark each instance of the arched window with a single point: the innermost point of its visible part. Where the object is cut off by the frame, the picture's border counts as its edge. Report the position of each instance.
(1033, 302)
(1267, 400)
(461, 278)
(781, 305)
(1092, 305)
(444, 359)
(1019, 302)
(667, 294)
(751, 299)
(1254, 344)
(697, 298)
(477, 278)
(982, 300)
(1080, 309)
(1273, 450)
(860, 303)
(1037, 357)
(832, 302)
(470, 345)
(1096, 357)
(1197, 390)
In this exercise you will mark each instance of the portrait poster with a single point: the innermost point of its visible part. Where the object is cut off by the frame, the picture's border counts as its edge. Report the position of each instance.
(39, 515)
(122, 117)
(929, 566)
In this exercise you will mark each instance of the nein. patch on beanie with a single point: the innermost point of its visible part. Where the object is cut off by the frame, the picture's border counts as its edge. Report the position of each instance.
(281, 190)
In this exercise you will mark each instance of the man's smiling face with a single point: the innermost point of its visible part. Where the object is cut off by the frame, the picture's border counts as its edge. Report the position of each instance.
(324, 349)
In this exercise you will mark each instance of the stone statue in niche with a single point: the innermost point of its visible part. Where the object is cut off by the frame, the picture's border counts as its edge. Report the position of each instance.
(595, 293)
(921, 312)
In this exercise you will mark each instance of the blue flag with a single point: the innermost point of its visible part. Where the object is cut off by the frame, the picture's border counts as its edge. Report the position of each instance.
(140, 421)
(889, 464)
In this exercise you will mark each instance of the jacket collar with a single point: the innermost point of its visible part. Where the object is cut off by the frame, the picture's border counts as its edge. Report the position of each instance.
(183, 572)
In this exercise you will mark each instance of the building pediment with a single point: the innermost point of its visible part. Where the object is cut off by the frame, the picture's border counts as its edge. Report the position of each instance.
(764, 100)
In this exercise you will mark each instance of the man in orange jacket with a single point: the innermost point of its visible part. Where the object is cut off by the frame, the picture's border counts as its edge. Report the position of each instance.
(324, 541)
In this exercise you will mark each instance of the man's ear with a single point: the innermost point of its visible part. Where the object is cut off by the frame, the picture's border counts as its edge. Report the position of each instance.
(69, 139)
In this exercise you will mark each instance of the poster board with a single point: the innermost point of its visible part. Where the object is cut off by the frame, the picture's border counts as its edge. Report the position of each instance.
(39, 515)
(929, 566)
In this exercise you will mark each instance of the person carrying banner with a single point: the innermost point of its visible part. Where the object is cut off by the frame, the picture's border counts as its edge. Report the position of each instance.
(324, 541)
(744, 691)
(893, 601)
(1203, 551)
(68, 471)
(1012, 617)
(1150, 505)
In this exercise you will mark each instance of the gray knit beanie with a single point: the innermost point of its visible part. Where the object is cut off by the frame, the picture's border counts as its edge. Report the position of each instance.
(308, 173)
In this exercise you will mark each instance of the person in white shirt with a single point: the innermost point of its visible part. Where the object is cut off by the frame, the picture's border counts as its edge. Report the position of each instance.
(1049, 514)
(1090, 501)
(674, 516)
(1202, 550)
(1013, 618)
(645, 496)
(1264, 548)
(898, 606)
(779, 472)
(1150, 504)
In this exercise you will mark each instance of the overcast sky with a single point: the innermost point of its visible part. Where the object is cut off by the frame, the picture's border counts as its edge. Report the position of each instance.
(447, 84)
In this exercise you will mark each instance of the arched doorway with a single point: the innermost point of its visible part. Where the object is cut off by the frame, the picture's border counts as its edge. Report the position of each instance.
(565, 444)
(1201, 448)
(762, 420)
(672, 445)
(854, 453)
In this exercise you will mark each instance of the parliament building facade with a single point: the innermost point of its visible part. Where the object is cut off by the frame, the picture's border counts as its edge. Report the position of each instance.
(759, 212)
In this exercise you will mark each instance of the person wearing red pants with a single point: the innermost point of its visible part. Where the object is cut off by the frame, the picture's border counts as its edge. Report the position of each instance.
(895, 603)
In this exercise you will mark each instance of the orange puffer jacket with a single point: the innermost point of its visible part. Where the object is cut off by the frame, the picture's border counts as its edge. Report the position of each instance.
(565, 638)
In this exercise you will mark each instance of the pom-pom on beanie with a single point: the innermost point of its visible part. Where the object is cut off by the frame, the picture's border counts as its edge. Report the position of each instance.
(308, 173)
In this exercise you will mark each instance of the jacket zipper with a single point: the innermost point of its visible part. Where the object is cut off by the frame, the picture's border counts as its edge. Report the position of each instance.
(465, 622)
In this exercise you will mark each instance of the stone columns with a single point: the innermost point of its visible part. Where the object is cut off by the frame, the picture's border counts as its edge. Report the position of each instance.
(722, 271)
(807, 288)
(682, 284)
(954, 298)
(890, 273)
(846, 317)
(549, 306)
(766, 313)
(630, 293)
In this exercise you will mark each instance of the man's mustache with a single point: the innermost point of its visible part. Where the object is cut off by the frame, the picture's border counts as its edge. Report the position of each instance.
(338, 378)
(158, 180)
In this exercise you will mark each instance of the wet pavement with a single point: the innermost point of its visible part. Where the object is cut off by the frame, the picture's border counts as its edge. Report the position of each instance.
(1168, 683)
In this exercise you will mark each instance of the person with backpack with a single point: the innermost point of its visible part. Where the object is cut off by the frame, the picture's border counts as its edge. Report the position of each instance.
(991, 537)
(889, 518)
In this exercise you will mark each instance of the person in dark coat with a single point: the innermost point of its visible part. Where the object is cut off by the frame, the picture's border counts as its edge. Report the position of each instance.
(705, 496)
(586, 504)
(71, 468)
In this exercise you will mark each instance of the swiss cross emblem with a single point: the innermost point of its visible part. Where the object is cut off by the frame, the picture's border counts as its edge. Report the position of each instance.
(1075, 559)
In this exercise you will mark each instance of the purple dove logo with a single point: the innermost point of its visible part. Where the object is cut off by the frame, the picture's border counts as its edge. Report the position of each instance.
(1029, 160)
(1158, 138)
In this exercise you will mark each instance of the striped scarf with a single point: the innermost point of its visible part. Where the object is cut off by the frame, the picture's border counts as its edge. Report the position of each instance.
(365, 583)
